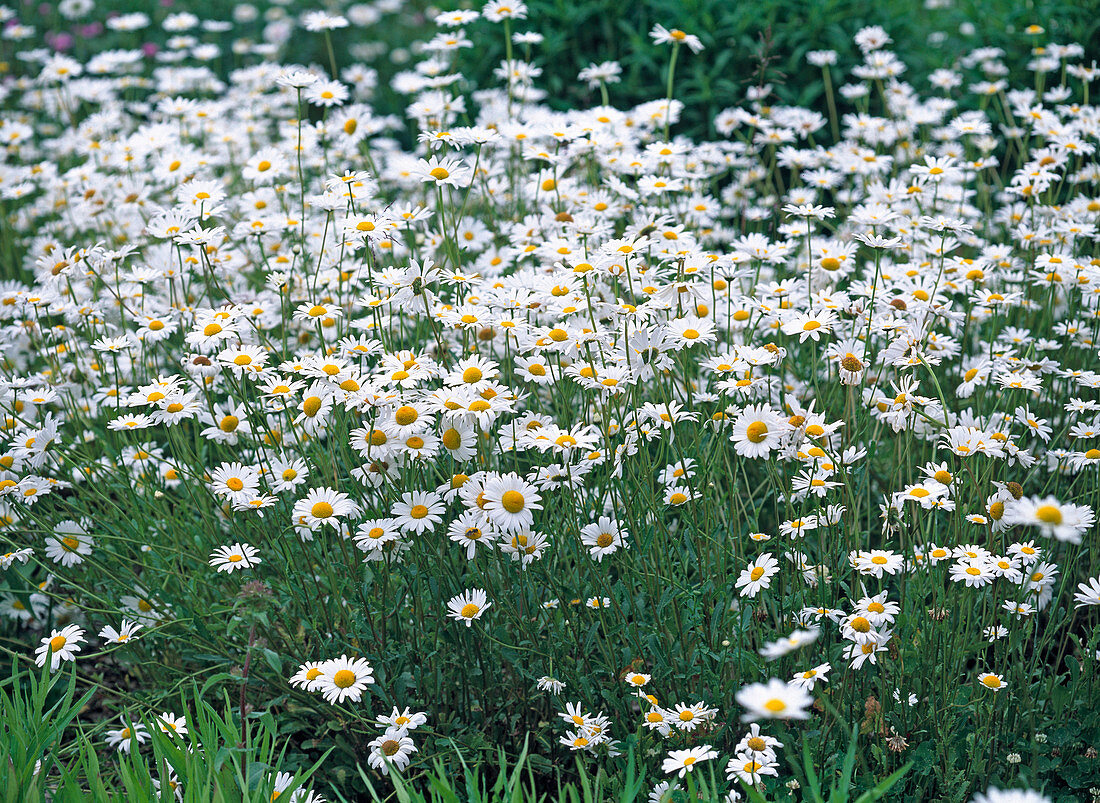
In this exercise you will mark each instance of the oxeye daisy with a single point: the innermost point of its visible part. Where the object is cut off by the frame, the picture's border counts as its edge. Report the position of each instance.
(445, 171)
(403, 718)
(123, 739)
(345, 678)
(691, 331)
(552, 685)
(60, 645)
(468, 606)
(510, 502)
(809, 326)
(323, 506)
(471, 530)
(679, 495)
(1088, 593)
(309, 676)
(603, 537)
(418, 511)
(171, 723)
(991, 681)
(689, 717)
(682, 762)
(674, 36)
(393, 748)
(69, 544)
(127, 631)
(774, 700)
(811, 677)
(757, 575)
(757, 431)
(636, 679)
(231, 558)
(750, 767)
(1061, 521)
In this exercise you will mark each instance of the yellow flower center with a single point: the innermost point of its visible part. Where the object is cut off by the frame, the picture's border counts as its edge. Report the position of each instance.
(343, 678)
(512, 501)
(757, 431)
(1049, 514)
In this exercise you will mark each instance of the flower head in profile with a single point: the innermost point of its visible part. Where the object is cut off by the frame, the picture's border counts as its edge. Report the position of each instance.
(499, 10)
(682, 762)
(664, 36)
(127, 631)
(231, 558)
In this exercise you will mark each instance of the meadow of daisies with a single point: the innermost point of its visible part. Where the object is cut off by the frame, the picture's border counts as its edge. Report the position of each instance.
(374, 439)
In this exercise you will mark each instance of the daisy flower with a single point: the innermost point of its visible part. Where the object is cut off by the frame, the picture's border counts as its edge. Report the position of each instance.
(60, 645)
(757, 431)
(510, 502)
(69, 544)
(418, 511)
(750, 767)
(552, 685)
(230, 558)
(345, 678)
(403, 718)
(127, 631)
(757, 575)
(323, 506)
(393, 748)
(636, 679)
(682, 762)
(1061, 521)
(309, 676)
(468, 606)
(471, 530)
(662, 36)
(602, 538)
(443, 171)
(1088, 593)
(122, 739)
(774, 700)
(991, 681)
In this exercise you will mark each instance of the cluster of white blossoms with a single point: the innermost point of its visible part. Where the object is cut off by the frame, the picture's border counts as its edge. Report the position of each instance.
(436, 381)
